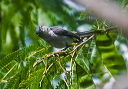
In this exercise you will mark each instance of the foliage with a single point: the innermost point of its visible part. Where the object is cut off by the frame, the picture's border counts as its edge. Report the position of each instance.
(27, 62)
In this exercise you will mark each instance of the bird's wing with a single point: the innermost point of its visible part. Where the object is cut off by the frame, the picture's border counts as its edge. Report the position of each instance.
(61, 31)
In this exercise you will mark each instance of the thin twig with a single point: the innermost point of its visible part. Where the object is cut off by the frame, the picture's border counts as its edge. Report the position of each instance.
(45, 73)
(111, 28)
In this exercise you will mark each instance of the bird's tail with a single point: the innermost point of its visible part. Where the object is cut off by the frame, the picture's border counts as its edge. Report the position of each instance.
(88, 33)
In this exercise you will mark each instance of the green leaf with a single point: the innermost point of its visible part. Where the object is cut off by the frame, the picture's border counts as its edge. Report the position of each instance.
(34, 78)
(111, 58)
(16, 56)
(13, 82)
(84, 79)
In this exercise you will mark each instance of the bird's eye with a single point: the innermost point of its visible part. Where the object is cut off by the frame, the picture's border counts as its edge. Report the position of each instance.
(40, 27)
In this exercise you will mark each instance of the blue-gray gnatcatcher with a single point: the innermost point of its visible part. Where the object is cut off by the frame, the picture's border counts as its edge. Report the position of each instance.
(60, 38)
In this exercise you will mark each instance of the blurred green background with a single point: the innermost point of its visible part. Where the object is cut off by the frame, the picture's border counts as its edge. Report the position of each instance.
(20, 18)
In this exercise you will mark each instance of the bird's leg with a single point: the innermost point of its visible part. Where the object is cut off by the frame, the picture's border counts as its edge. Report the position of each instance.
(67, 46)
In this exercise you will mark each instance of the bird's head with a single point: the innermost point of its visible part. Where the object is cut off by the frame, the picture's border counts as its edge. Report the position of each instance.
(41, 30)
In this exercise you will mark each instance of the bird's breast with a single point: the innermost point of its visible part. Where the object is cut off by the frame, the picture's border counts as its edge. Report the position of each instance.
(59, 41)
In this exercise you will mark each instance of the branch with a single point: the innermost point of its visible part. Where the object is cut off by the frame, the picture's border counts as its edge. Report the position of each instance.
(80, 45)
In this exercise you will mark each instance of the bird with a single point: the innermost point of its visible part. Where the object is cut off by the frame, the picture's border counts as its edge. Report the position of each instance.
(59, 37)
